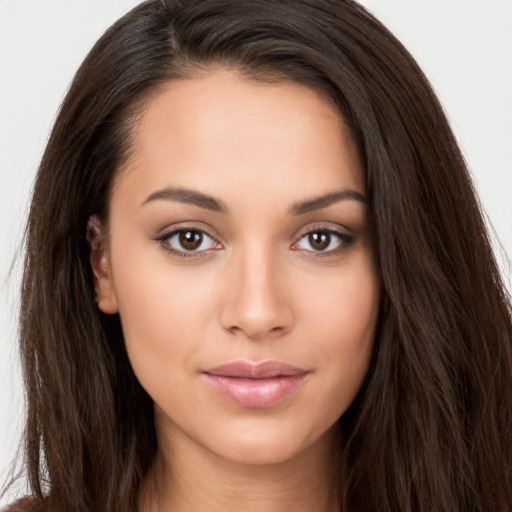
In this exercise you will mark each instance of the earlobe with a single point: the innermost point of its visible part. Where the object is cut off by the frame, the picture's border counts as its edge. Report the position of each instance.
(100, 265)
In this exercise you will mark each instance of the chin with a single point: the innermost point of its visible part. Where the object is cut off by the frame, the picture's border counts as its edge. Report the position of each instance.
(270, 444)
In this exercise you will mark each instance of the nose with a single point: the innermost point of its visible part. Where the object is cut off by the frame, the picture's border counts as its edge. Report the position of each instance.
(257, 297)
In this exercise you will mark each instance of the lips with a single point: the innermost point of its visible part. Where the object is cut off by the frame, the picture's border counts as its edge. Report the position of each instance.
(255, 385)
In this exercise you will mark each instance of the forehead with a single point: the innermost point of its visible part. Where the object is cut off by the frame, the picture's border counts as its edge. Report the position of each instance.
(221, 128)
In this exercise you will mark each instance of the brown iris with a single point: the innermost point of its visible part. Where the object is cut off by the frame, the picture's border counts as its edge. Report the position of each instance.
(319, 240)
(190, 240)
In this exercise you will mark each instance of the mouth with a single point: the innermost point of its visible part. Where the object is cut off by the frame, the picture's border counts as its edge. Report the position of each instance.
(255, 385)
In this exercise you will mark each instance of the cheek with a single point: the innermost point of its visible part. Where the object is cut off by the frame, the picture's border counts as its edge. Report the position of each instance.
(345, 317)
(163, 314)
(347, 302)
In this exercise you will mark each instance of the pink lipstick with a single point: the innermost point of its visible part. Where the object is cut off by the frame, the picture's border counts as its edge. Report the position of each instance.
(255, 385)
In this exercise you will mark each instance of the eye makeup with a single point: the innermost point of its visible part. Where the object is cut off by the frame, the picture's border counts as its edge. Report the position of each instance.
(188, 241)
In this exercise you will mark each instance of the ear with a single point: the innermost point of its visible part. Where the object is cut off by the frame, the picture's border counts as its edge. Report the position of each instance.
(100, 264)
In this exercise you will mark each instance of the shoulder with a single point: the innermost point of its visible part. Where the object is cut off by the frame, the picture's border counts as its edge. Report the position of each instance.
(24, 505)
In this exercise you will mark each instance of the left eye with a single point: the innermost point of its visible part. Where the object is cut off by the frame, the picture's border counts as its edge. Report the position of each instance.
(323, 241)
(190, 240)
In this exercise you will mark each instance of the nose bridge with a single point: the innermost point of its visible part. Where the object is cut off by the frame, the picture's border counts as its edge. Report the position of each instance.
(256, 302)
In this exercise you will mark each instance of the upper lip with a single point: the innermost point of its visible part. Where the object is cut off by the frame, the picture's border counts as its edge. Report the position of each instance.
(263, 370)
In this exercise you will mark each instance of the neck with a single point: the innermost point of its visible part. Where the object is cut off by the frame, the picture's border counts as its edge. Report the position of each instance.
(194, 479)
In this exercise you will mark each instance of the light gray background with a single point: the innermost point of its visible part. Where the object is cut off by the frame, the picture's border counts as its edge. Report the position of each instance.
(465, 47)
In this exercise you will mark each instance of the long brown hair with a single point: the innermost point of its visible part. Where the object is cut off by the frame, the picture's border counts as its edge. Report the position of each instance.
(431, 429)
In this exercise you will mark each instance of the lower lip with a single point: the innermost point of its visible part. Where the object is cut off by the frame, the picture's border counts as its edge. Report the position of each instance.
(255, 393)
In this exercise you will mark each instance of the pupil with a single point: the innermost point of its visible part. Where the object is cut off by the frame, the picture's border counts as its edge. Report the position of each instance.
(320, 240)
(190, 240)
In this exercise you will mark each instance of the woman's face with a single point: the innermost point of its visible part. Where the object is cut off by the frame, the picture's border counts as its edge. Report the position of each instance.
(240, 262)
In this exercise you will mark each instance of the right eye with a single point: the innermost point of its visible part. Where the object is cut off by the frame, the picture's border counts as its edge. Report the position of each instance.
(188, 242)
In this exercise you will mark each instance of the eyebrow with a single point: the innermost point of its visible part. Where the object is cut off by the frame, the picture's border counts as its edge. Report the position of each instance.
(188, 196)
(323, 201)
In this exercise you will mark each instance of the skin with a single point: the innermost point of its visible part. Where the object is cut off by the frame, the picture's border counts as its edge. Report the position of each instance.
(256, 289)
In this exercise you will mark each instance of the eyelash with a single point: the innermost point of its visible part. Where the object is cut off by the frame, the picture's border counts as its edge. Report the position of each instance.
(344, 241)
(164, 240)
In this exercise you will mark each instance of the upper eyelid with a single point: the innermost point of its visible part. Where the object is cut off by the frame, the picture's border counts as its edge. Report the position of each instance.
(330, 227)
(168, 231)
(337, 232)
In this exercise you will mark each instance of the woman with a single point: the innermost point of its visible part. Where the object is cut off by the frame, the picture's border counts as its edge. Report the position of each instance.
(255, 276)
